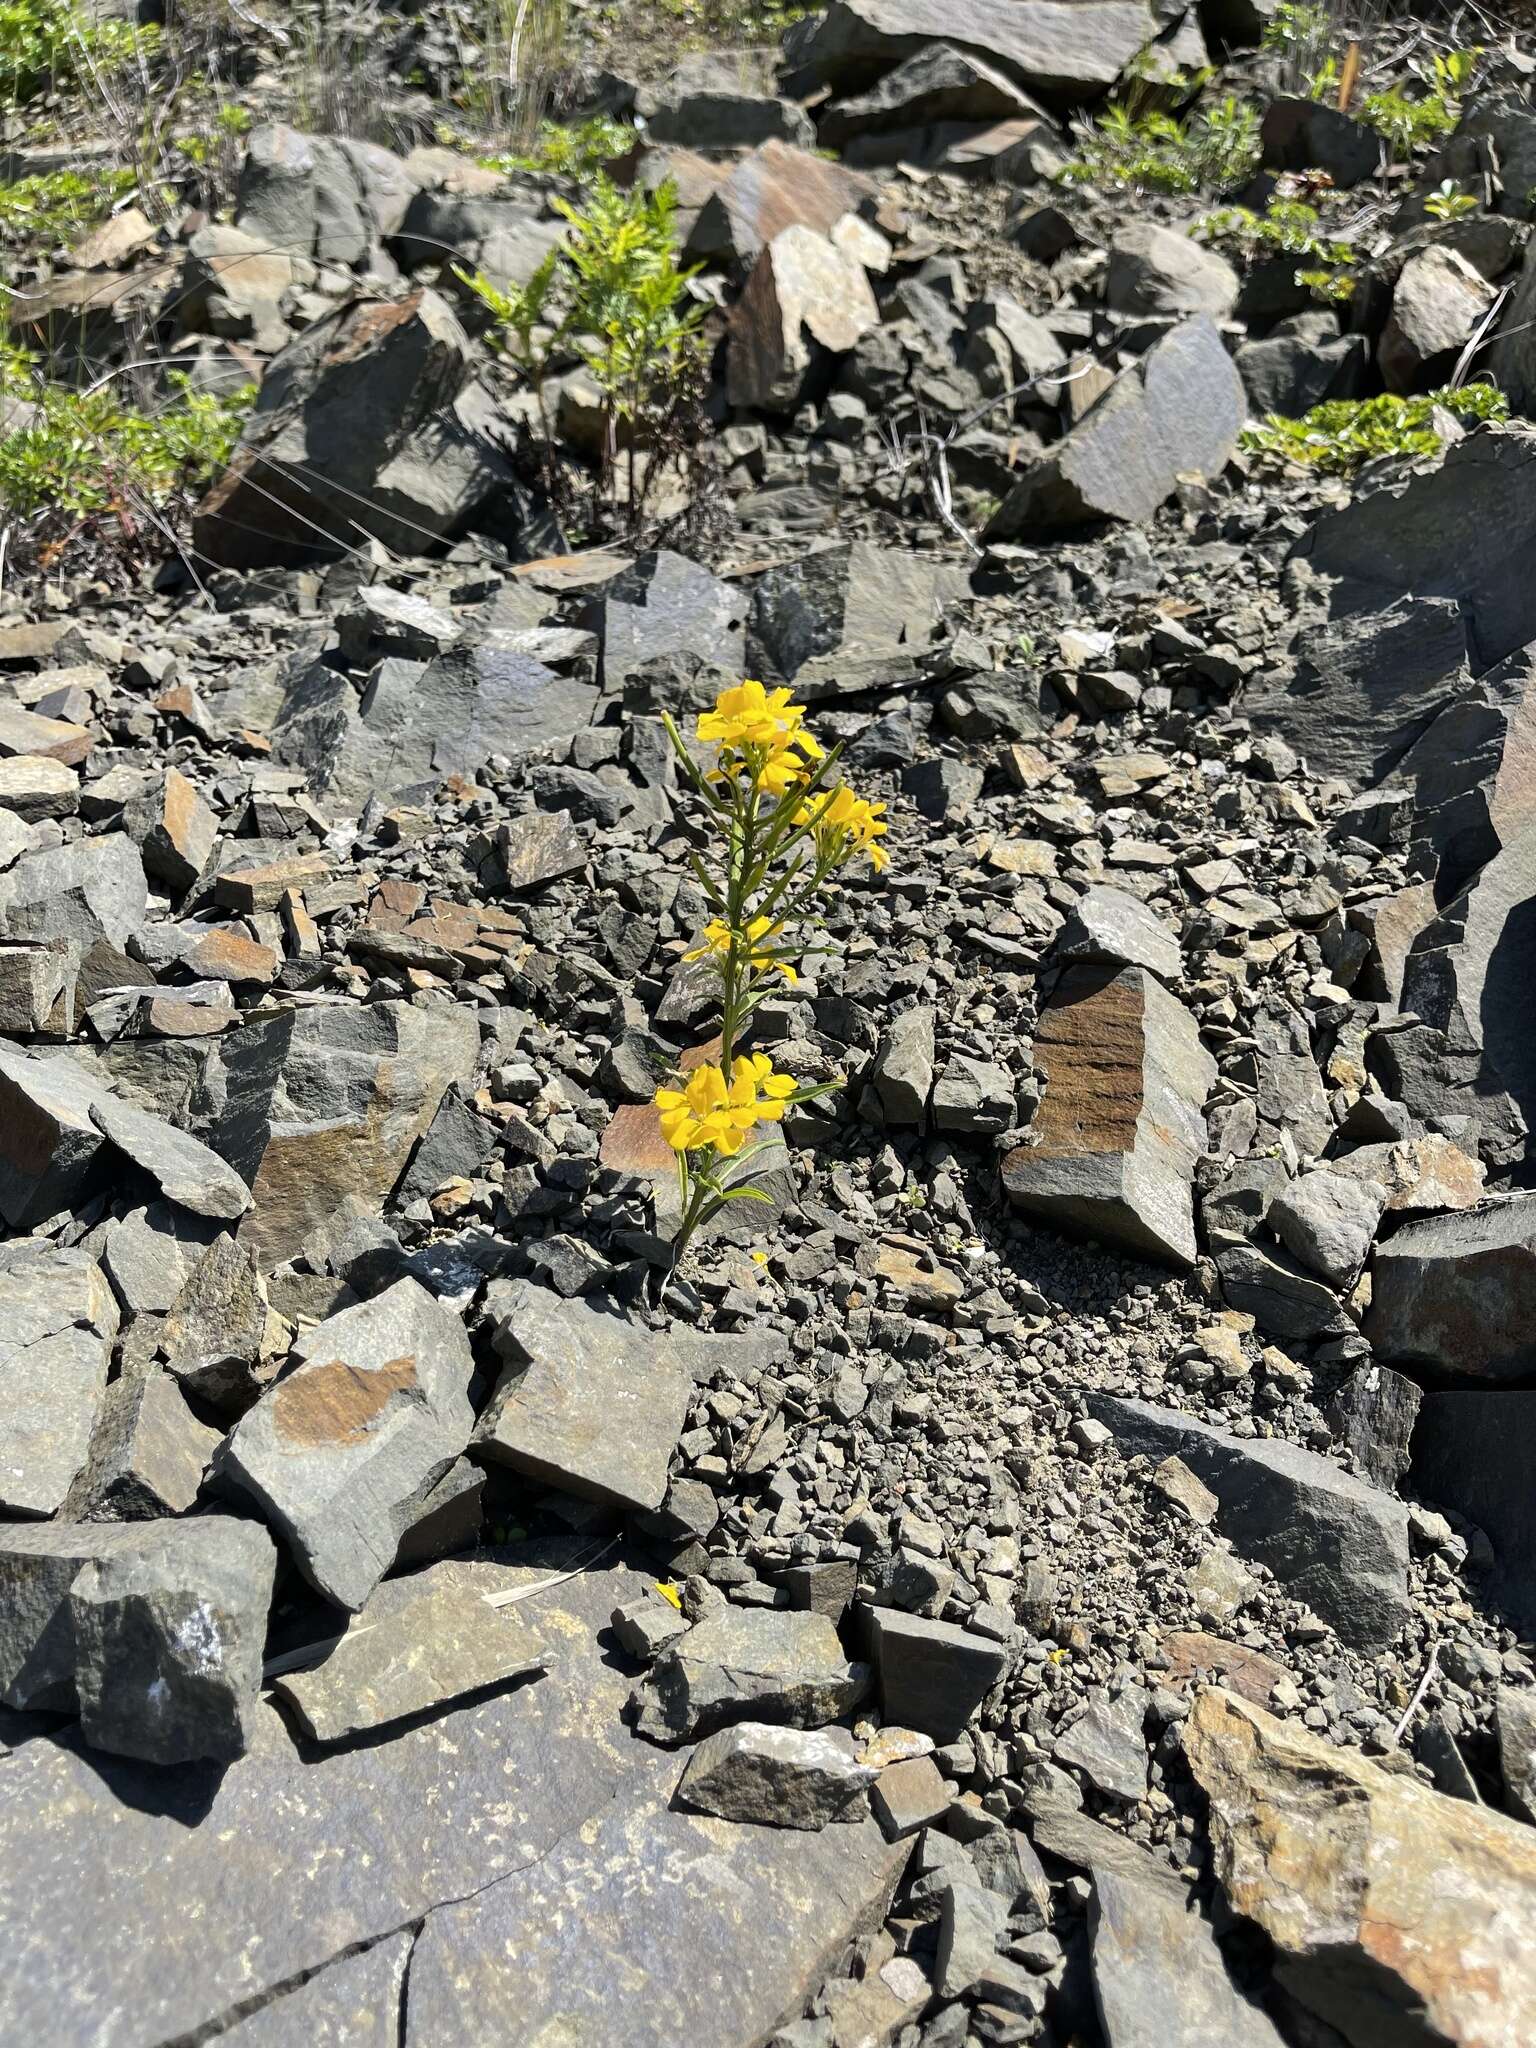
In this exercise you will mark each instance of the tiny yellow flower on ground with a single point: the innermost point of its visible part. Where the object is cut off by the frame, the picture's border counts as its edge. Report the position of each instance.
(760, 935)
(670, 1594)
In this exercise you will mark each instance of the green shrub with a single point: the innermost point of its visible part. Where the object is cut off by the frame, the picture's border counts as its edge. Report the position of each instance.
(568, 150)
(1287, 227)
(58, 206)
(613, 296)
(45, 44)
(1338, 436)
(84, 454)
(1209, 150)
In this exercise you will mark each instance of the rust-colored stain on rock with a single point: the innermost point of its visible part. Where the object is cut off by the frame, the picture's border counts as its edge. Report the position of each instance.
(337, 1403)
(1089, 1051)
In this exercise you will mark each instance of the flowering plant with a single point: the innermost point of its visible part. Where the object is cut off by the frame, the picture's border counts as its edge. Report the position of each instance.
(782, 823)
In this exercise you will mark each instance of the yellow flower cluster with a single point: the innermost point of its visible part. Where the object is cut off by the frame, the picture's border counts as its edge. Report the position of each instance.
(711, 1111)
(843, 825)
(760, 935)
(760, 733)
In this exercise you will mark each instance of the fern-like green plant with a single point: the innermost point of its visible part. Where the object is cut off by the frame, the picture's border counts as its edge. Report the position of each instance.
(613, 295)
(1287, 227)
(1209, 150)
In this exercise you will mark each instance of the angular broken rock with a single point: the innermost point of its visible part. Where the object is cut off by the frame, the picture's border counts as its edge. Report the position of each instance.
(340, 1453)
(169, 1631)
(748, 1664)
(845, 618)
(1159, 1978)
(185, 1170)
(368, 427)
(804, 300)
(149, 1455)
(1109, 924)
(48, 1140)
(418, 1644)
(1328, 1220)
(1075, 51)
(1107, 1745)
(1374, 1413)
(1472, 1454)
(1458, 1292)
(174, 829)
(1120, 1125)
(1467, 978)
(1437, 306)
(1458, 532)
(1156, 271)
(58, 1317)
(216, 1330)
(1399, 1916)
(903, 1069)
(589, 1401)
(318, 1111)
(932, 1676)
(690, 1930)
(775, 188)
(1176, 413)
(776, 1777)
(1329, 1539)
(151, 1631)
(540, 847)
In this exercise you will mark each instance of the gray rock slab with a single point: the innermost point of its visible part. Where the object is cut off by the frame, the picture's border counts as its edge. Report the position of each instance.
(1108, 1746)
(690, 1929)
(776, 1777)
(589, 1402)
(58, 1317)
(1159, 1979)
(186, 1171)
(1284, 1299)
(1374, 1412)
(1368, 685)
(361, 1850)
(1157, 271)
(149, 1454)
(87, 889)
(1458, 1292)
(48, 1141)
(351, 2004)
(1460, 532)
(1472, 1453)
(418, 1644)
(1330, 1540)
(1177, 412)
(775, 1665)
(1328, 1221)
(1108, 924)
(903, 1070)
(932, 1675)
(340, 1453)
(1053, 48)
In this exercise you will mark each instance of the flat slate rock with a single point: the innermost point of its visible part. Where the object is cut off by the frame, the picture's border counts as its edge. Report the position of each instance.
(688, 1930)
(589, 1402)
(353, 2004)
(185, 1170)
(777, 1665)
(362, 1849)
(58, 1317)
(419, 1643)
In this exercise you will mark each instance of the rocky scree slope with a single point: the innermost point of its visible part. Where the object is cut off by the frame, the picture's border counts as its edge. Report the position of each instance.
(1064, 1573)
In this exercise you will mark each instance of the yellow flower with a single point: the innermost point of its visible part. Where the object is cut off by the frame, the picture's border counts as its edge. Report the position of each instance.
(747, 715)
(760, 935)
(759, 734)
(843, 825)
(670, 1594)
(709, 1111)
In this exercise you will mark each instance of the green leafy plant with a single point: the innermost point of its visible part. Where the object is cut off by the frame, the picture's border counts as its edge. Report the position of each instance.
(1335, 438)
(78, 457)
(1409, 120)
(1300, 35)
(780, 825)
(613, 296)
(1287, 227)
(1209, 150)
(47, 44)
(1449, 202)
(567, 150)
(57, 206)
